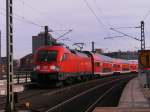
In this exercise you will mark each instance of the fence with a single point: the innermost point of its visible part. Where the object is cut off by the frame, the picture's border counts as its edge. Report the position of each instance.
(19, 77)
(22, 75)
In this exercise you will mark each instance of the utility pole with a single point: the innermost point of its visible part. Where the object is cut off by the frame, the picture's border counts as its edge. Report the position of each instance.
(93, 49)
(46, 35)
(9, 53)
(142, 36)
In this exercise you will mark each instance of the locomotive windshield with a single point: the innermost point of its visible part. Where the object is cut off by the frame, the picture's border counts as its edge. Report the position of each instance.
(46, 56)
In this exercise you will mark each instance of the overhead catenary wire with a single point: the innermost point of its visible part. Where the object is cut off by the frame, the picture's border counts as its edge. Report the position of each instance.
(40, 12)
(64, 34)
(146, 15)
(101, 12)
(113, 37)
(126, 27)
(64, 39)
(25, 3)
(124, 34)
(21, 18)
(96, 17)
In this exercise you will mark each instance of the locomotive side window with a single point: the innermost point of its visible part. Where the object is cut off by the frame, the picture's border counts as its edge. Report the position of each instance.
(65, 56)
(47, 56)
(97, 64)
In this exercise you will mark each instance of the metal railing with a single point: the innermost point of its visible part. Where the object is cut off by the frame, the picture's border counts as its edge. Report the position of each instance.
(19, 77)
(22, 75)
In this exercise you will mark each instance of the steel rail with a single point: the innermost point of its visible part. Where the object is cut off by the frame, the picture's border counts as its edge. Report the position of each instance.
(102, 96)
(83, 93)
(60, 90)
(23, 95)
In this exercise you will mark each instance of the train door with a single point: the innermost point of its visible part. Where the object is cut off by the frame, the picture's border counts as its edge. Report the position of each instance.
(97, 68)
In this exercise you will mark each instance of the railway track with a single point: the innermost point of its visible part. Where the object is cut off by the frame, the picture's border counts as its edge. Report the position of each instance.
(87, 100)
(102, 101)
(46, 99)
(24, 95)
(34, 92)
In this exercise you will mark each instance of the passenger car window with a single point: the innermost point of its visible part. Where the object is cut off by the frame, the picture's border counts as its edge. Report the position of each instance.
(97, 64)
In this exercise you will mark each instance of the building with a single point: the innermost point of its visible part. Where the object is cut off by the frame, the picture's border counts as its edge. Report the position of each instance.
(26, 63)
(39, 40)
(132, 55)
(3, 66)
(2, 70)
(98, 50)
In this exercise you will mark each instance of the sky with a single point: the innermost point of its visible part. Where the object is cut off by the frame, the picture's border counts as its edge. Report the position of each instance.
(90, 20)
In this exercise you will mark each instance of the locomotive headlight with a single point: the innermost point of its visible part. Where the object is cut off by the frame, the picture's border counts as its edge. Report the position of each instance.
(53, 67)
(36, 68)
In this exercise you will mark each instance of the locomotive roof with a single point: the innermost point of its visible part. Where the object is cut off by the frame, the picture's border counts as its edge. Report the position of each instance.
(79, 53)
(49, 47)
(62, 48)
(101, 57)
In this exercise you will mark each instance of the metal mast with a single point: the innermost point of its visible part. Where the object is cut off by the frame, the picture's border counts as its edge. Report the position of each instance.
(142, 36)
(142, 40)
(9, 36)
(93, 49)
(46, 35)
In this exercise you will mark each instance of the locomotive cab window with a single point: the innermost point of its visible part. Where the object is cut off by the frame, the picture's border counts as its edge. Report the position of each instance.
(47, 56)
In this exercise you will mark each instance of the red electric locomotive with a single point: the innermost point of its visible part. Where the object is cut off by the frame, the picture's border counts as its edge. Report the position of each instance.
(57, 63)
